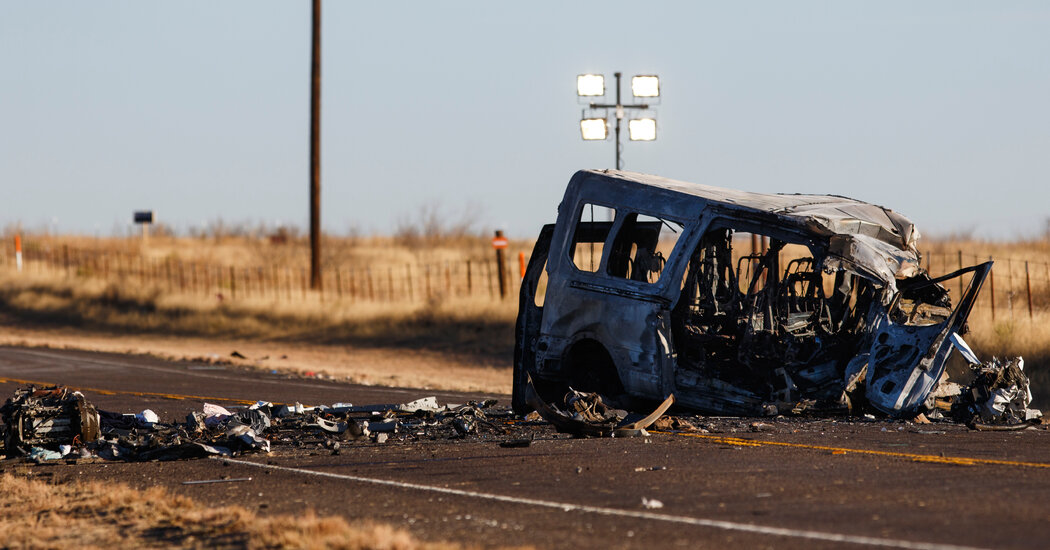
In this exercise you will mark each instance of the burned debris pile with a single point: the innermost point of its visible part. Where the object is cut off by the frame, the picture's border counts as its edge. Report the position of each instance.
(52, 423)
(587, 414)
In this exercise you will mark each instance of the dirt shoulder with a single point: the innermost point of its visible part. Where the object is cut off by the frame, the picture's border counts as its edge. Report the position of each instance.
(424, 369)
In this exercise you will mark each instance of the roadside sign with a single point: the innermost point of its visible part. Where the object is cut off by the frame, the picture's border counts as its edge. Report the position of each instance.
(143, 216)
(499, 242)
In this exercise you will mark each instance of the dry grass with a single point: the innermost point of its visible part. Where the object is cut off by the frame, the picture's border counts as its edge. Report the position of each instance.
(34, 514)
(378, 252)
(474, 329)
(462, 344)
(469, 326)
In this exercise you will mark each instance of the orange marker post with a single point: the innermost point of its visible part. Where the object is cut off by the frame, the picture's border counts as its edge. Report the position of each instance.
(18, 252)
(521, 263)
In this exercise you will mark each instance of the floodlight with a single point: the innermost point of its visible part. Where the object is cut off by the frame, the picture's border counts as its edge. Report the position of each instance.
(642, 129)
(590, 85)
(645, 86)
(593, 129)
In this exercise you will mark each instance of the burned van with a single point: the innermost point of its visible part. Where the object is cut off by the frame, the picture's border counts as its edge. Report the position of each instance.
(735, 302)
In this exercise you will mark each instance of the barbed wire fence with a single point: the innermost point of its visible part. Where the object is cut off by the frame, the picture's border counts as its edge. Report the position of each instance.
(1016, 288)
(404, 282)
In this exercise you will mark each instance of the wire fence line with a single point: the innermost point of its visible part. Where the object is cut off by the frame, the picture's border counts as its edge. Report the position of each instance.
(1016, 288)
(407, 282)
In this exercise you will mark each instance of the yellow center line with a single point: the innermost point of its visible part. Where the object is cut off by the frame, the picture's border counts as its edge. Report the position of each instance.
(100, 391)
(957, 460)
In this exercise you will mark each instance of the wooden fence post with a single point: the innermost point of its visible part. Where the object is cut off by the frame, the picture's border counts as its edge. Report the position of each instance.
(500, 268)
(1010, 286)
(408, 280)
(991, 284)
(1028, 288)
(488, 275)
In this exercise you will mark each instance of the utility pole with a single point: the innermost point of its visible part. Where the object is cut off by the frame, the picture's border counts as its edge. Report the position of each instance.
(315, 150)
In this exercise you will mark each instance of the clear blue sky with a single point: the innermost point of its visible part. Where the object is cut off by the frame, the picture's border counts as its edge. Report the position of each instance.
(199, 110)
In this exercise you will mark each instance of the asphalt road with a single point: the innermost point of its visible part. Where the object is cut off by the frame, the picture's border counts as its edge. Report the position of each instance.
(797, 483)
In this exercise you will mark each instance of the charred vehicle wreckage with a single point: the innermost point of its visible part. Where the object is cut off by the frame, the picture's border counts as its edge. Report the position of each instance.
(740, 303)
(647, 294)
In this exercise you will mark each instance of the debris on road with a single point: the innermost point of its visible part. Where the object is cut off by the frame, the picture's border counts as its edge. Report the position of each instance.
(651, 503)
(589, 416)
(997, 399)
(46, 424)
(147, 417)
(516, 443)
(37, 454)
(209, 481)
(53, 423)
(47, 418)
(1001, 392)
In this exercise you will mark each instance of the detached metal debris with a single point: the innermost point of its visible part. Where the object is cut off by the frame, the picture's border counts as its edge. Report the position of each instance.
(53, 423)
(47, 417)
(740, 303)
(588, 415)
(998, 396)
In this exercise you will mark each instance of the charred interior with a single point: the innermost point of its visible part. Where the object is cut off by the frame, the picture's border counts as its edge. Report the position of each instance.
(769, 321)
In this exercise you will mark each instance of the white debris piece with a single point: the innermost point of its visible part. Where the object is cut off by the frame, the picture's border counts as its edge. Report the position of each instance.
(147, 417)
(651, 503)
(215, 414)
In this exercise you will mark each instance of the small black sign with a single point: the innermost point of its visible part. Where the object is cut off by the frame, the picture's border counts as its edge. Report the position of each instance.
(144, 216)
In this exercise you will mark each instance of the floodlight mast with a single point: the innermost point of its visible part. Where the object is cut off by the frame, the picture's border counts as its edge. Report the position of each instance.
(620, 108)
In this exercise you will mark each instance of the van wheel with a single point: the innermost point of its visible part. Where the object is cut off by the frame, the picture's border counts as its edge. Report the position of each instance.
(591, 369)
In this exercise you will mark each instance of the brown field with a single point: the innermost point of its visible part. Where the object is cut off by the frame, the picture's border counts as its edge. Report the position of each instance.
(37, 514)
(432, 302)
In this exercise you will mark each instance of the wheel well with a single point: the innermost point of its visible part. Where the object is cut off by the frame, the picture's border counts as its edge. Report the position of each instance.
(591, 368)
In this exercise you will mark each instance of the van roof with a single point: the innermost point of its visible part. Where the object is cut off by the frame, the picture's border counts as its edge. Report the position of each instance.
(823, 214)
